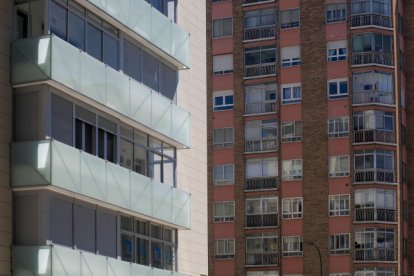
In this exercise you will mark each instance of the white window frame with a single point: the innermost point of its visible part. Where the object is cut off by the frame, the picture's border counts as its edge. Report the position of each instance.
(225, 217)
(221, 21)
(334, 17)
(226, 65)
(291, 24)
(223, 94)
(373, 271)
(340, 274)
(229, 249)
(296, 135)
(334, 47)
(295, 208)
(338, 94)
(340, 159)
(263, 273)
(290, 87)
(338, 123)
(223, 181)
(344, 240)
(339, 204)
(224, 143)
(290, 56)
(294, 174)
(292, 242)
(263, 206)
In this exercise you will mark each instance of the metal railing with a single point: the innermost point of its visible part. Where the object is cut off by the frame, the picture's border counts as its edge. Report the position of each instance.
(261, 107)
(249, 2)
(374, 175)
(375, 254)
(372, 58)
(258, 70)
(260, 32)
(262, 220)
(262, 183)
(265, 258)
(260, 145)
(373, 214)
(374, 135)
(368, 97)
(371, 20)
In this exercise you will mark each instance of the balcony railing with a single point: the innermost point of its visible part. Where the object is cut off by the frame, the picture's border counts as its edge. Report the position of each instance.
(372, 58)
(262, 259)
(262, 183)
(371, 20)
(374, 175)
(259, 70)
(260, 33)
(52, 163)
(261, 145)
(266, 220)
(373, 214)
(373, 97)
(250, 2)
(374, 136)
(58, 260)
(261, 107)
(375, 254)
(151, 25)
(51, 58)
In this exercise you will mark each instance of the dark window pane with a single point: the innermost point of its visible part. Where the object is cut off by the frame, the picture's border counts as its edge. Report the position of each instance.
(76, 31)
(57, 20)
(168, 82)
(126, 154)
(110, 51)
(79, 134)
(140, 160)
(126, 248)
(156, 254)
(150, 76)
(89, 138)
(110, 147)
(132, 60)
(101, 143)
(142, 251)
(94, 42)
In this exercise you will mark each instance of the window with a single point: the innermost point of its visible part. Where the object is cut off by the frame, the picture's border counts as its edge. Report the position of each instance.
(339, 274)
(368, 42)
(85, 130)
(262, 249)
(292, 207)
(224, 174)
(107, 144)
(339, 244)
(291, 131)
(338, 88)
(261, 135)
(291, 93)
(375, 244)
(338, 127)
(222, 27)
(375, 271)
(292, 169)
(371, 6)
(224, 211)
(259, 24)
(260, 98)
(222, 64)
(375, 205)
(224, 249)
(339, 205)
(261, 173)
(223, 100)
(373, 87)
(289, 18)
(335, 12)
(338, 166)
(292, 246)
(148, 244)
(337, 50)
(290, 56)
(262, 212)
(374, 166)
(223, 137)
(262, 273)
(260, 61)
(374, 119)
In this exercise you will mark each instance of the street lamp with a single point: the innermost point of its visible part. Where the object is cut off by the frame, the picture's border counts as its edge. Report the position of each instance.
(319, 252)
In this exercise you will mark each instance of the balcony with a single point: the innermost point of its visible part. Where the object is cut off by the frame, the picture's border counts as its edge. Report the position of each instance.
(51, 163)
(154, 27)
(375, 255)
(374, 136)
(375, 215)
(374, 176)
(379, 58)
(253, 2)
(262, 183)
(58, 260)
(50, 58)
(260, 70)
(262, 259)
(262, 220)
(373, 97)
(364, 20)
(261, 145)
(260, 33)
(261, 107)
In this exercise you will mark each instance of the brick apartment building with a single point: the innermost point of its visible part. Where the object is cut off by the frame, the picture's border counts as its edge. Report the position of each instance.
(309, 102)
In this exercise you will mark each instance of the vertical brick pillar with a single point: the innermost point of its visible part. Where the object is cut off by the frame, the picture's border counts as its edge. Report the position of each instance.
(315, 140)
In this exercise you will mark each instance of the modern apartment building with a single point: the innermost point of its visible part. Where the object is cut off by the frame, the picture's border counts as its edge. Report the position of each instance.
(308, 109)
(103, 137)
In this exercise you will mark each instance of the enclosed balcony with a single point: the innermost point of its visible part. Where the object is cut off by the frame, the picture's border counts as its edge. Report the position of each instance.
(375, 205)
(262, 183)
(57, 260)
(368, 13)
(264, 220)
(372, 49)
(53, 164)
(376, 255)
(375, 215)
(261, 136)
(262, 174)
(374, 166)
(374, 126)
(375, 245)
(261, 99)
(50, 58)
(262, 259)
(260, 61)
(262, 212)
(373, 87)
(259, 24)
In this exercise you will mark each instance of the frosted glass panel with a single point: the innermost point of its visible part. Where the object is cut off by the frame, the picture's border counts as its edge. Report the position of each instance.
(182, 208)
(66, 167)
(141, 194)
(161, 114)
(66, 61)
(65, 261)
(161, 31)
(162, 201)
(118, 186)
(93, 78)
(92, 264)
(31, 260)
(140, 103)
(181, 125)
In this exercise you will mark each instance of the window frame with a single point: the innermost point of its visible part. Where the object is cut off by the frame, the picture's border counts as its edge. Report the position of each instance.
(223, 181)
(290, 24)
(223, 94)
(295, 136)
(229, 250)
(339, 244)
(338, 94)
(292, 242)
(335, 19)
(225, 217)
(295, 210)
(342, 159)
(221, 21)
(290, 88)
(224, 143)
(338, 123)
(341, 204)
(292, 175)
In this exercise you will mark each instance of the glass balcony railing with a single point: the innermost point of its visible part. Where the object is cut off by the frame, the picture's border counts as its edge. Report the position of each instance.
(49, 57)
(58, 260)
(49, 162)
(374, 136)
(150, 24)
